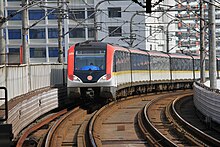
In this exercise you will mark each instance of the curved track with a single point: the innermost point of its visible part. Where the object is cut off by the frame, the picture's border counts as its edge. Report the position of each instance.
(122, 123)
(71, 129)
(32, 136)
(185, 116)
(163, 126)
(156, 125)
(116, 124)
(64, 128)
(64, 132)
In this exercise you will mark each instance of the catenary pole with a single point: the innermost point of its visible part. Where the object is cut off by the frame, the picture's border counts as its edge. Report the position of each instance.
(202, 42)
(2, 42)
(25, 47)
(60, 48)
(212, 46)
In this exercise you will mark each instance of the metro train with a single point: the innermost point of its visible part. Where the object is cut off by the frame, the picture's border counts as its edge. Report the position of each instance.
(107, 71)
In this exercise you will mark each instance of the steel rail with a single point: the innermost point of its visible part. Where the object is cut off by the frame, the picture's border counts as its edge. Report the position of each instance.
(37, 126)
(56, 125)
(158, 137)
(204, 138)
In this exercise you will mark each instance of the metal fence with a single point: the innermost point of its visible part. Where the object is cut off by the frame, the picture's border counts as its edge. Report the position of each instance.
(207, 101)
(21, 79)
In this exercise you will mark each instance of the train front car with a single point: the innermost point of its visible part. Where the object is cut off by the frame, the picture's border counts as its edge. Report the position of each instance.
(90, 70)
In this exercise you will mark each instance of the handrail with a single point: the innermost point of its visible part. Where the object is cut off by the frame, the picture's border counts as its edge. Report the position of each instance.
(208, 88)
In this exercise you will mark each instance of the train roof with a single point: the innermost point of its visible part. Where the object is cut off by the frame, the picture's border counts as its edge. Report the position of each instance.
(157, 53)
(179, 55)
(90, 43)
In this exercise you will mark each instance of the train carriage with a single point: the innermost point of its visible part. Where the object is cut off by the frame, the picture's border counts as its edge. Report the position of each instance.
(140, 67)
(107, 71)
(182, 67)
(159, 66)
(90, 70)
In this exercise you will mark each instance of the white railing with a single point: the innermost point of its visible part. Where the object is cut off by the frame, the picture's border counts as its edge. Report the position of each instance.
(19, 79)
(207, 101)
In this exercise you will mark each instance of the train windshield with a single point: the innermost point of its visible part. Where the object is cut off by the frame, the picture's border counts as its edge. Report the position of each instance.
(90, 59)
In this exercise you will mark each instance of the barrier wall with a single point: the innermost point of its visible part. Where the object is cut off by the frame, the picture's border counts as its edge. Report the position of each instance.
(15, 78)
(25, 112)
(207, 101)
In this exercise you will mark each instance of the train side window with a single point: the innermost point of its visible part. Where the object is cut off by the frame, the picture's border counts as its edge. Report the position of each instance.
(135, 61)
(146, 62)
(128, 61)
(120, 62)
(114, 63)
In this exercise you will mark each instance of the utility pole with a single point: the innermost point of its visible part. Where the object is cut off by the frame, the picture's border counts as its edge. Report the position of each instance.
(212, 46)
(95, 19)
(25, 48)
(60, 48)
(202, 42)
(66, 29)
(2, 42)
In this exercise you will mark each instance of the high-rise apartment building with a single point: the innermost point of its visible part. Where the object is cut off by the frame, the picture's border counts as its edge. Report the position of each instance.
(114, 21)
(189, 29)
(189, 25)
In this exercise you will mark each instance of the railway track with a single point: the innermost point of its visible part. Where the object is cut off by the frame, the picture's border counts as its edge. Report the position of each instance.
(116, 123)
(122, 123)
(64, 132)
(188, 120)
(162, 125)
(36, 133)
(64, 128)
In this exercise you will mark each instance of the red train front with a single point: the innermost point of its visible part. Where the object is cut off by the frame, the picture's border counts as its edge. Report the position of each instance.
(90, 70)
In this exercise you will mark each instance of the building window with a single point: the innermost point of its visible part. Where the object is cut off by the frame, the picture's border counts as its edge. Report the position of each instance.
(36, 14)
(14, 33)
(53, 51)
(37, 52)
(90, 13)
(37, 33)
(14, 51)
(91, 32)
(77, 14)
(77, 33)
(115, 31)
(114, 12)
(52, 15)
(52, 33)
(15, 17)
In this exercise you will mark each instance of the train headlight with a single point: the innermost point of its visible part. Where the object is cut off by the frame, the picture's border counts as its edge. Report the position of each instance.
(105, 77)
(75, 78)
(108, 76)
